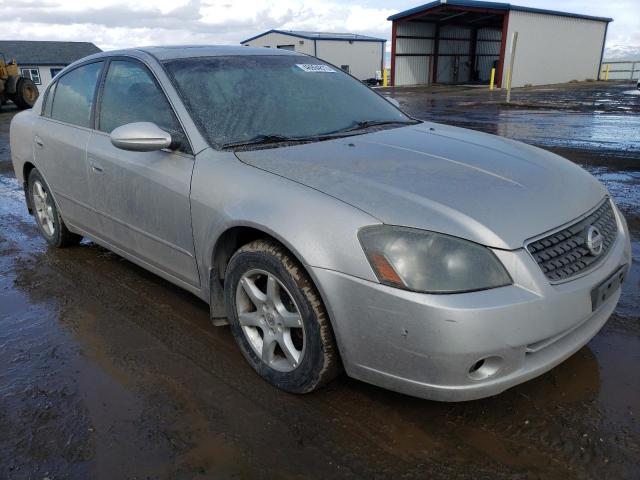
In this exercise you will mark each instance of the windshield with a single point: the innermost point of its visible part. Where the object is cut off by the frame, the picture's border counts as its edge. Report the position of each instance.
(255, 99)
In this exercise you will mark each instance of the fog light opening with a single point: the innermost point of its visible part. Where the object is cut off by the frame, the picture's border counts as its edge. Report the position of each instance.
(476, 366)
(485, 368)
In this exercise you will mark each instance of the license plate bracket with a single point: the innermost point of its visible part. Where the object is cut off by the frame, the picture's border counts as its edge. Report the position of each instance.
(602, 292)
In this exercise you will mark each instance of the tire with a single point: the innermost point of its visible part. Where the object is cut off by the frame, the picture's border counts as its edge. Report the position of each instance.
(46, 213)
(26, 93)
(318, 361)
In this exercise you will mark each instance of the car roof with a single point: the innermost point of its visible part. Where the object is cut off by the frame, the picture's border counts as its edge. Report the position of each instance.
(171, 52)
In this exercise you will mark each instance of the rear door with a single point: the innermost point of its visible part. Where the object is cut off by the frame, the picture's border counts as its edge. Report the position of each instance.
(142, 198)
(60, 140)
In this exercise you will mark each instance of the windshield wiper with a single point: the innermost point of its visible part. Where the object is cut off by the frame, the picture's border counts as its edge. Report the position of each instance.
(266, 139)
(362, 125)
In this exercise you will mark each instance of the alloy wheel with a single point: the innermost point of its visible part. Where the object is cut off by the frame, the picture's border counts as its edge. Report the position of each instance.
(270, 320)
(43, 204)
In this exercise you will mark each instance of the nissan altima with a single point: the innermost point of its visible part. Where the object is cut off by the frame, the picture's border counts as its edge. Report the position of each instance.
(330, 230)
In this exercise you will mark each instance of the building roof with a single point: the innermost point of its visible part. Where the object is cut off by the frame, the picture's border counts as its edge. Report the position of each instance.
(492, 6)
(46, 53)
(351, 37)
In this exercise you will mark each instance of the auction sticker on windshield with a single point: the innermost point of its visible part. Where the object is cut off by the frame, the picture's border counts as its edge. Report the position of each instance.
(308, 67)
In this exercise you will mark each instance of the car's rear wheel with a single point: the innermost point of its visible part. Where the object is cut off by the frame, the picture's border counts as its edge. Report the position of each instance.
(48, 219)
(278, 319)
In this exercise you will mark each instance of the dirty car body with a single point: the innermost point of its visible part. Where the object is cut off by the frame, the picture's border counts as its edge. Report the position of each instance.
(452, 264)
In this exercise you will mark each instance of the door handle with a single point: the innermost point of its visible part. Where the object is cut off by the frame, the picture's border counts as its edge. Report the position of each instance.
(38, 141)
(96, 167)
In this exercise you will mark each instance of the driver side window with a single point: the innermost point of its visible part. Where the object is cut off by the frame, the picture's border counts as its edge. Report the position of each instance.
(131, 94)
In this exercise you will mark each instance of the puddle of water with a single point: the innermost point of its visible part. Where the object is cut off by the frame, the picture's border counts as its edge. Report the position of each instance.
(580, 131)
(604, 119)
(624, 187)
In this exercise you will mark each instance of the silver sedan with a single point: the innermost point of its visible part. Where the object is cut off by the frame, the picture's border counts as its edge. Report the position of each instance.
(328, 228)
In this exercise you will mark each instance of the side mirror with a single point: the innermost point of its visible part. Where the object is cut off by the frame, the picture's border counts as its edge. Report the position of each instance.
(393, 102)
(140, 137)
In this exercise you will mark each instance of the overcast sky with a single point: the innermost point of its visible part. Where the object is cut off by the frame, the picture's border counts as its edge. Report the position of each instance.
(118, 23)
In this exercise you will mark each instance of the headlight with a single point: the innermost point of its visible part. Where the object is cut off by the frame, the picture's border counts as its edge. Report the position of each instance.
(430, 262)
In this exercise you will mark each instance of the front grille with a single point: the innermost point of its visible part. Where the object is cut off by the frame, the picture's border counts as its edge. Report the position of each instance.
(565, 254)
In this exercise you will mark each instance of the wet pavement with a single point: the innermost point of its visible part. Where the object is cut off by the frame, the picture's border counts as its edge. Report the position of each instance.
(597, 116)
(107, 371)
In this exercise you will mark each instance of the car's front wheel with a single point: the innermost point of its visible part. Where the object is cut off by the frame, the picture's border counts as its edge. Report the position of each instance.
(278, 319)
(49, 221)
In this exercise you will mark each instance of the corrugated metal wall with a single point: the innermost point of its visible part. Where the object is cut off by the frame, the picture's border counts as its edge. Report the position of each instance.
(412, 61)
(412, 71)
(553, 49)
(454, 61)
(488, 52)
(363, 58)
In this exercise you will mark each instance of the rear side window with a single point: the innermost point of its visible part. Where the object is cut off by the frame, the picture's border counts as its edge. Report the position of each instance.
(73, 95)
(130, 94)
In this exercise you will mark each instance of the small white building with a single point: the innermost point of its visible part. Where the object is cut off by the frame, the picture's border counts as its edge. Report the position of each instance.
(360, 55)
(460, 41)
(41, 61)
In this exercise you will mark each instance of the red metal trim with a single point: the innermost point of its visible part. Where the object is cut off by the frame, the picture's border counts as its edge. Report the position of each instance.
(394, 27)
(503, 48)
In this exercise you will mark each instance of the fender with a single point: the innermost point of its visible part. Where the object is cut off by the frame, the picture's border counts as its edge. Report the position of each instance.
(227, 193)
(221, 251)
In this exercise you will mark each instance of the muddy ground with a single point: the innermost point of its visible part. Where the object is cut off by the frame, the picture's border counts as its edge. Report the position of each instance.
(107, 371)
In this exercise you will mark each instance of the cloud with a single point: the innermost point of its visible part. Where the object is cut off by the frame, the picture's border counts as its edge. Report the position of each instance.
(114, 24)
(119, 25)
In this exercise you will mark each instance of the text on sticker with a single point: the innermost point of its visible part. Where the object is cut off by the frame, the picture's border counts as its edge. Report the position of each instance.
(309, 67)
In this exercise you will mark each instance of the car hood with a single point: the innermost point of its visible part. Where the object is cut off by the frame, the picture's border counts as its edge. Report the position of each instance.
(481, 187)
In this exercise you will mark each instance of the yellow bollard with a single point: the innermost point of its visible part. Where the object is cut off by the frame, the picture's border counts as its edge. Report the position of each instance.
(493, 77)
(385, 77)
(606, 73)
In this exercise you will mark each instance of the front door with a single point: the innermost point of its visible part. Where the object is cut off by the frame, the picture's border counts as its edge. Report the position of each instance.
(142, 198)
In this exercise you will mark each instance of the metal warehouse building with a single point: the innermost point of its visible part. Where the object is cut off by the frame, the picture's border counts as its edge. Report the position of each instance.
(360, 55)
(458, 41)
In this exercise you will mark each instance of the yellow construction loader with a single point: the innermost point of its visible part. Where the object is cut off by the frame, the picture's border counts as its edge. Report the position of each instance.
(13, 86)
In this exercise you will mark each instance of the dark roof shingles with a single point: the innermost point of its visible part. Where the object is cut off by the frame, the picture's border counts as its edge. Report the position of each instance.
(46, 53)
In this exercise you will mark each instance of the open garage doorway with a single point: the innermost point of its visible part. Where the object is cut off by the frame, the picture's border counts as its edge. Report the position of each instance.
(448, 44)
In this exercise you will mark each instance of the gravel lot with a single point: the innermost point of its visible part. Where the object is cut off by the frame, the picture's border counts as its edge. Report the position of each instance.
(107, 371)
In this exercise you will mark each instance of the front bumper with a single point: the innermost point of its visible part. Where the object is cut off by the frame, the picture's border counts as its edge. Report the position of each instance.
(427, 345)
